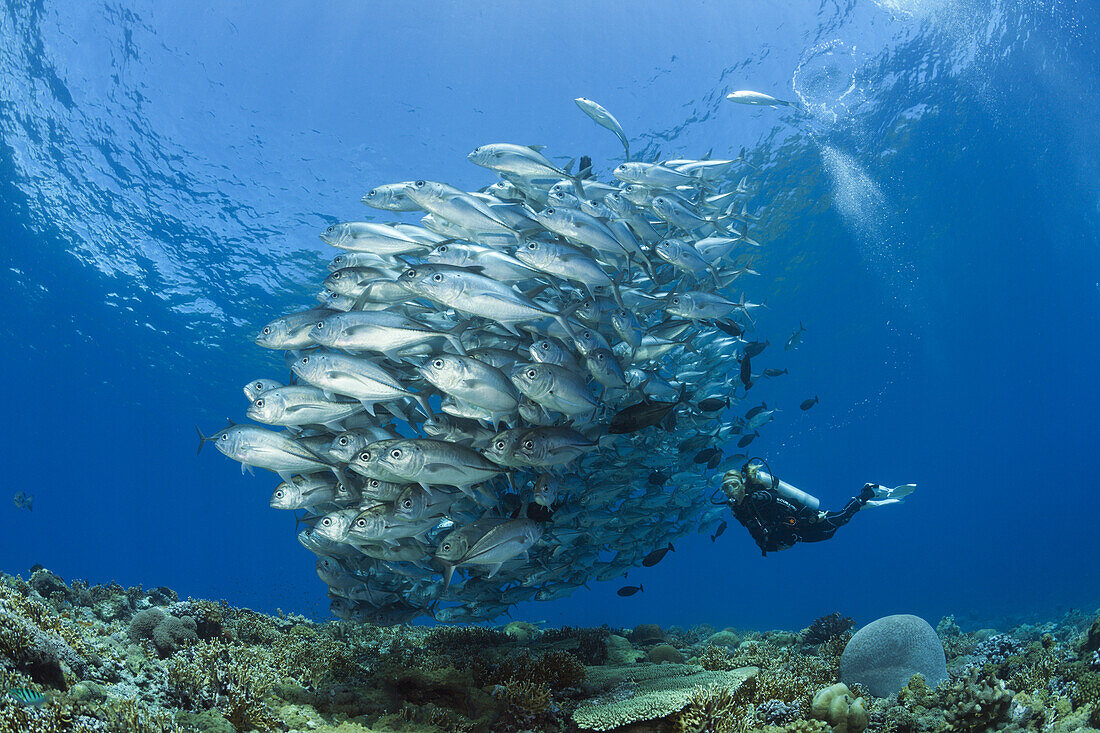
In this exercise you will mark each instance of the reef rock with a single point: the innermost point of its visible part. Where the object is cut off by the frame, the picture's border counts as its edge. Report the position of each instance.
(884, 654)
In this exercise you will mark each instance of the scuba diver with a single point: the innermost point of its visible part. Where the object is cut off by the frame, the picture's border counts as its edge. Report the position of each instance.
(778, 515)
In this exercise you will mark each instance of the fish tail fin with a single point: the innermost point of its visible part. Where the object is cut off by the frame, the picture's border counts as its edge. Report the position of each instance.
(640, 587)
(454, 336)
(202, 440)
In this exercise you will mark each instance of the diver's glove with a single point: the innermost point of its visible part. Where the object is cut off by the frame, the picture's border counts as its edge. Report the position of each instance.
(884, 496)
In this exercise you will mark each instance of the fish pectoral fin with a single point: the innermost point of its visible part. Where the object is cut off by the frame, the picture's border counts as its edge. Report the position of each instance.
(494, 569)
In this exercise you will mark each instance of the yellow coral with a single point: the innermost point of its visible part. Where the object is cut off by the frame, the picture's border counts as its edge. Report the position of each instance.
(836, 706)
(713, 709)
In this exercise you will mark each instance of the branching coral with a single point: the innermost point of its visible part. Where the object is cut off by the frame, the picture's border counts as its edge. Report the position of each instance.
(531, 697)
(233, 677)
(977, 703)
(826, 628)
(714, 709)
(717, 658)
(557, 670)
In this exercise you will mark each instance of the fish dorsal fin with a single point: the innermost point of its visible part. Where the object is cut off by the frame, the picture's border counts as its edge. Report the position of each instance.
(537, 148)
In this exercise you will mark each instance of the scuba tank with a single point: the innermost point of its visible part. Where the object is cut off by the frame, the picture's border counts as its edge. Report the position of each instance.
(781, 487)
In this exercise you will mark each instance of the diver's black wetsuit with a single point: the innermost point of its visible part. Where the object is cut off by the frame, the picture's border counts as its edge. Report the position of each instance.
(776, 522)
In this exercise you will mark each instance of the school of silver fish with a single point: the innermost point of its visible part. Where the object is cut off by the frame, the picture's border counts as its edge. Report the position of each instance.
(528, 389)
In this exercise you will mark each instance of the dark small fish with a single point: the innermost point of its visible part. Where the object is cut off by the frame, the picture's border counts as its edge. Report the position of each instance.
(807, 404)
(796, 338)
(629, 590)
(774, 372)
(26, 696)
(718, 532)
(713, 404)
(23, 500)
(655, 557)
(731, 327)
(756, 410)
(746, 372)
(755, 347)
(658, 478)
(714, 460)
(706, 454)
(746, 439)
(642, 415)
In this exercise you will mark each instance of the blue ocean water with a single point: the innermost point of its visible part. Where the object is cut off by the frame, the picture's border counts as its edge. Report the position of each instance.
(933, 221)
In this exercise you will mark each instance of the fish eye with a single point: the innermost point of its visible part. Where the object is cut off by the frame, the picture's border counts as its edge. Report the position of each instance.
(532, 245)
(531, 373)
(550, 212)
(327, 522)
(438, 363)
(337, 275)
(395, 453)
(586, 335)
(528, 444)
(601, 357)
(442, 248)
(407, 503)
(374, 483)
(342, 441)
(320, 324)
(225, 436)
(259, 385)
(360, 522)
(364, 456)
(260, 402)
(370, 193)
(437, 277)
(499, 445)
(675, 300)
(267, 330)
(420, 184)
(305, 359)
(446, 547)
(279, 494)
(410, 273)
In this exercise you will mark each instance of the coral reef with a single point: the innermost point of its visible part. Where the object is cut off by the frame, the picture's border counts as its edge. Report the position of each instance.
(107, 658)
